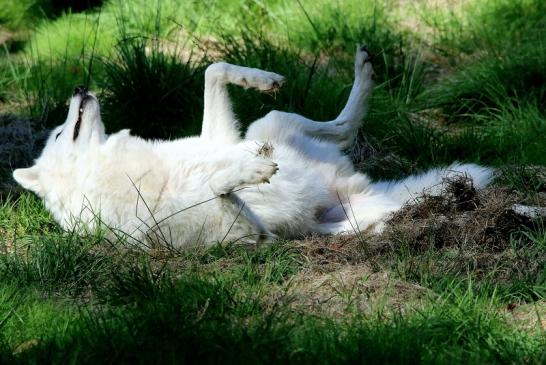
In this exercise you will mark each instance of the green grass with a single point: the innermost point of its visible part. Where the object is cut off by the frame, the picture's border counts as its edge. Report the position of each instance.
(68, 298)
(217, 304)
(460, 81)
(207, 329)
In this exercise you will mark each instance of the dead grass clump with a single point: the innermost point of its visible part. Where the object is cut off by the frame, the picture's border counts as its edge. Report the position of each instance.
(325, 254)
(462, 215)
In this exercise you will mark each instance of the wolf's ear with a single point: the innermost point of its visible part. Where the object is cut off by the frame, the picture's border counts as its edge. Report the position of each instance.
(28, 178)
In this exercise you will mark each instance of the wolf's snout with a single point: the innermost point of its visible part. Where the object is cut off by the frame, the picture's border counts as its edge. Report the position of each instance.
(80, 90)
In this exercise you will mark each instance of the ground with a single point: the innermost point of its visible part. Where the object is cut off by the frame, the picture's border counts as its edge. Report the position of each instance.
(454, 278)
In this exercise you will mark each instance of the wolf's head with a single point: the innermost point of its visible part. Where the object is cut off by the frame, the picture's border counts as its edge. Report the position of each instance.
(82, 130)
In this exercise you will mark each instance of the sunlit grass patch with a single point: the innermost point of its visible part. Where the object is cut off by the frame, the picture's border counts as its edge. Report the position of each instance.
(72, 36)
(492, 81)
(28, 318)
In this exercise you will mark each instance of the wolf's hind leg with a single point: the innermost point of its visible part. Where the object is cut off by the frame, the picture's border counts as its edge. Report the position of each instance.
(219, 122)
(277, 126)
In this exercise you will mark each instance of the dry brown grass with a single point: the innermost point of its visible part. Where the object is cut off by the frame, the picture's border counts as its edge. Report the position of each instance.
(462, 232)
(356, 288)
(528, 316)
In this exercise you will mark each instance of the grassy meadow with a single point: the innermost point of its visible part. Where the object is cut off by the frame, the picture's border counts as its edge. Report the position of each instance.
(445, 284)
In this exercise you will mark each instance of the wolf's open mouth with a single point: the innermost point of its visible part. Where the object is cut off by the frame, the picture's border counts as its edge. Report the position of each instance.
(80, 113)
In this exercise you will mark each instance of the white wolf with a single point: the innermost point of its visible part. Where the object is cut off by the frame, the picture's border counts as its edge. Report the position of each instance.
(288, 177)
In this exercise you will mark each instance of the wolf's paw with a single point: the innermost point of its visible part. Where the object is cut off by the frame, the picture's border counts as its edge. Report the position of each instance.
(258, 171)
(244, 76)
(258, 79)
(363, 62)
(249, 171)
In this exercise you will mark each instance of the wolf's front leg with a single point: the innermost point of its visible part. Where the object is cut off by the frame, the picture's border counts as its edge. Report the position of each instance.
(244, 225)
(240, 173)
(240, 170)
(219, 122)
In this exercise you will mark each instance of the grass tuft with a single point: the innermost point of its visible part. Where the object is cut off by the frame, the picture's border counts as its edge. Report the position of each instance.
(157, 95)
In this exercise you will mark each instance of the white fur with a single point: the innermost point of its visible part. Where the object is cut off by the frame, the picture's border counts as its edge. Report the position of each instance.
(287, 177)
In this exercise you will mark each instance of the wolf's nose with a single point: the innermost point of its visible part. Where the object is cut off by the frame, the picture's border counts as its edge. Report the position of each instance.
(80, 90)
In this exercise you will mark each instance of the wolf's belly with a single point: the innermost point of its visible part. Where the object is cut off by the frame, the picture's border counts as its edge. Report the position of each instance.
(296, 195)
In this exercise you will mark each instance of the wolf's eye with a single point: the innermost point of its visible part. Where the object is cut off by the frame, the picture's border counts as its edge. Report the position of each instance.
(58, 134)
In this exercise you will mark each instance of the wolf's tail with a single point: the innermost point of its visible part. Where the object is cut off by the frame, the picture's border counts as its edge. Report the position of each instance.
(431, 181)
